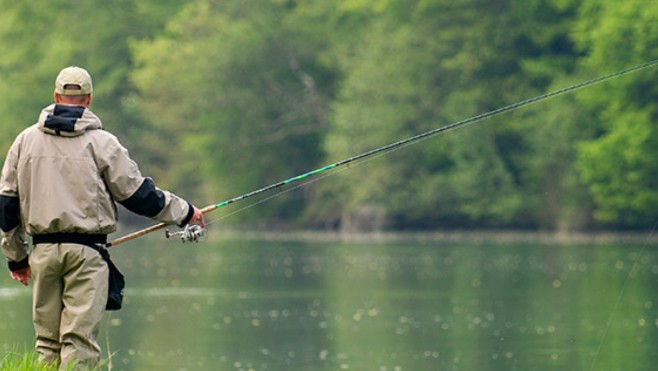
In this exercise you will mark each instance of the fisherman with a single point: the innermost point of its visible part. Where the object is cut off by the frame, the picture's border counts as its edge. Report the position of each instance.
(59, 184)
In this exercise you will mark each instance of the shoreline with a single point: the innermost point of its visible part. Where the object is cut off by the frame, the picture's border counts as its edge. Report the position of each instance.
(477, 236)
(443, 236)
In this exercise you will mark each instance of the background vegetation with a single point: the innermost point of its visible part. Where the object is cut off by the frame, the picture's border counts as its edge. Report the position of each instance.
(217, 98)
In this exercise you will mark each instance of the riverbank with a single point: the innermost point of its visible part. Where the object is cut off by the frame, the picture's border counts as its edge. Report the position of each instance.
(452, 236)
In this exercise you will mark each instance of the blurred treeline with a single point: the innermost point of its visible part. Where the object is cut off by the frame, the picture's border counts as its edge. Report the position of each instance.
(218, 98)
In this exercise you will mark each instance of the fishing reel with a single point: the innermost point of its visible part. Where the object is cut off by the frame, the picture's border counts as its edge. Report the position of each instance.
(191, 233)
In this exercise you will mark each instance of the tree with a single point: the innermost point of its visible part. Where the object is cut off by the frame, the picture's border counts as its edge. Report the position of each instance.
(237, 88)
(39, 39)
(425, 64)
(618, 162)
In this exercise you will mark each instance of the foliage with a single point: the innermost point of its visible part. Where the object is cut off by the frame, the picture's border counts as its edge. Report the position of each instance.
(93, 34)
(218, 98)
(442, 63)
(617, 163)
(238, 95)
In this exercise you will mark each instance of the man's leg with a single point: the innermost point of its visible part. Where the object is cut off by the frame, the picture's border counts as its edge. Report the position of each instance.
(47, 301)
(84, 298)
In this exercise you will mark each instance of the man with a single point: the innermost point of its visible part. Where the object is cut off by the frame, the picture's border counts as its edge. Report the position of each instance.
(59, 183)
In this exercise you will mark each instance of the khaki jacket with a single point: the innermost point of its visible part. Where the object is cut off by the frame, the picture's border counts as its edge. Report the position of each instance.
(63, 175)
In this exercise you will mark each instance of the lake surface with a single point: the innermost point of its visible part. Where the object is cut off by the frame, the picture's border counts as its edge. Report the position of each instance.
(251, 304)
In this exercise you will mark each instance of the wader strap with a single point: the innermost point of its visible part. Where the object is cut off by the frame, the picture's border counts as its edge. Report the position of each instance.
(77, 238)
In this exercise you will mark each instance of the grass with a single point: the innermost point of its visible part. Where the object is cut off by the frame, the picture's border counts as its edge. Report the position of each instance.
(14, 361)
(29, 361)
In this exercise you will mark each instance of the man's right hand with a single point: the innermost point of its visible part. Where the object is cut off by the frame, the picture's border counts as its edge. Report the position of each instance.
(198, 218)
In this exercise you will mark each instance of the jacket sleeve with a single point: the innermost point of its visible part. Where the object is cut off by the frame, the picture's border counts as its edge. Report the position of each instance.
(137, 193)
(13, 242)
(15, 248)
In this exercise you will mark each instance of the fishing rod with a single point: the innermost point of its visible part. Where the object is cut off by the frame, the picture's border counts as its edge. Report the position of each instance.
(193, 232)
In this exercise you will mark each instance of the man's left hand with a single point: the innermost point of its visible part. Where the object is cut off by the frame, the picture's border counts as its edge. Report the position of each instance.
(22, 275)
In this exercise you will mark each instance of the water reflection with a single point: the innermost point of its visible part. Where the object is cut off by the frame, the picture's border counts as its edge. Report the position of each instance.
(250, 305)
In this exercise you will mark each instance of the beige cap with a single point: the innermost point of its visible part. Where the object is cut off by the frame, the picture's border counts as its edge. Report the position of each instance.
(73, 81)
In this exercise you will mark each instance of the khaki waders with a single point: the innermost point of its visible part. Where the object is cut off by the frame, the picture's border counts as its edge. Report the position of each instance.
(70, 293)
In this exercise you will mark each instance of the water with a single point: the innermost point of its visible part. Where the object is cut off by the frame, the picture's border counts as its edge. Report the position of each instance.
(256, 305)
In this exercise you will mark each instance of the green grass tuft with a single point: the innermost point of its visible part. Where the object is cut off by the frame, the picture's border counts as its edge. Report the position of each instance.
(29, 361)
(15, 361)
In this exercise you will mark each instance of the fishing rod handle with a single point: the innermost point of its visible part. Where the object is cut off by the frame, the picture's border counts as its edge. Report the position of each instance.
(134, 235)
(208, 209)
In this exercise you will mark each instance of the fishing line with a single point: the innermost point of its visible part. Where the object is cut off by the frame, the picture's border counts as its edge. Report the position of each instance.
(634, 267)
(402, 143)
(307, 183)
(277, 194)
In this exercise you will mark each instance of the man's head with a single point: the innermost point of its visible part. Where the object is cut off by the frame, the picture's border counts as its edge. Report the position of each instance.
(73, 86)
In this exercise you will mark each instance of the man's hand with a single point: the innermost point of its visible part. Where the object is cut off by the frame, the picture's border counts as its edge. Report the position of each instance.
(198, 218)
(22, 275)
